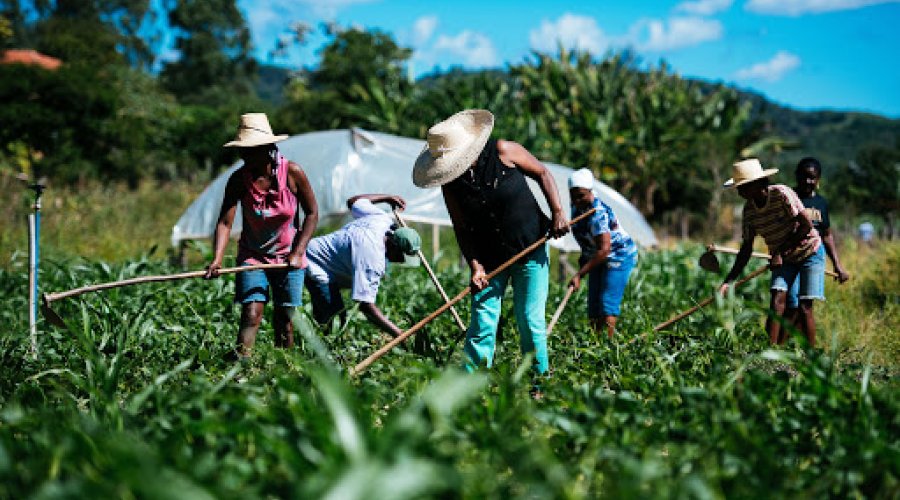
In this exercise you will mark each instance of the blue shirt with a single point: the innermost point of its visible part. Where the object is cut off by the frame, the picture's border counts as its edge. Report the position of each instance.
(602, 221)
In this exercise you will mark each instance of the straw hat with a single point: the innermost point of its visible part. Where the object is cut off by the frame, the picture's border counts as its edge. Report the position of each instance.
(748, 171)
(254, 130)
(453, 145)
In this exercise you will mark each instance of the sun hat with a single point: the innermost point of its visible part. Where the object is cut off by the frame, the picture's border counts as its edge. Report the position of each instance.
(748, 170)
(409, 242)
(581, 178)
(254, 130)
(453, 145)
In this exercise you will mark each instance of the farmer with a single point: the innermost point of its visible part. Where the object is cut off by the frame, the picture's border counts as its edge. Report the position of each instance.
(608, 253)
(272, 190)
(776, 213)
(808, 174)
(355, 257)
(495, 216)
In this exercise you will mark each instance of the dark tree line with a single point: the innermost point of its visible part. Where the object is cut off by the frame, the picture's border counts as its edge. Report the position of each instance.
(115, 110)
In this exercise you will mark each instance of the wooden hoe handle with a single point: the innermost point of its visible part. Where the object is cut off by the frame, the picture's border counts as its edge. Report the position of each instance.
(51, 297)
(706, 301)
(760, 255)
(403, 336)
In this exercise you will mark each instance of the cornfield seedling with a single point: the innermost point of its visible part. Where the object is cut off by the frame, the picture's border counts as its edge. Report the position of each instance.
(133, 398)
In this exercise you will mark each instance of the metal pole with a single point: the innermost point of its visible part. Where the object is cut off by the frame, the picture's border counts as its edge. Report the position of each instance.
(34, 234)
(32, 283)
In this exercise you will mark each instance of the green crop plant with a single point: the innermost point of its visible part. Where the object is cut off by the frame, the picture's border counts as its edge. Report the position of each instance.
(135, 399)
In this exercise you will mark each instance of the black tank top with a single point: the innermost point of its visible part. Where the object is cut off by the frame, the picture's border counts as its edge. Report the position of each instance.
(499, 211)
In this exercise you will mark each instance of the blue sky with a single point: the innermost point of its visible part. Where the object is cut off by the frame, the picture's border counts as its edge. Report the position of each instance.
(808, 54)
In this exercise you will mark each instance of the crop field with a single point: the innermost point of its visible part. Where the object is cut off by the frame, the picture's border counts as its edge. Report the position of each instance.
(135, 400)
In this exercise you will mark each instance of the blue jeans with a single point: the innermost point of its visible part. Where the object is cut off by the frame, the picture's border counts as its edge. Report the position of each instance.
(326, 300)
(802, 280)
(286, 286)
(606, 286)
(529, 281)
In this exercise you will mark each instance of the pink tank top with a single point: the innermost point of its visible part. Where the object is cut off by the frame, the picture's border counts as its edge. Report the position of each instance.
(269, 220)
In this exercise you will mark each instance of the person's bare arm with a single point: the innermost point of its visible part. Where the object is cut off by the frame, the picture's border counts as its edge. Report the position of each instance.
(604, 244)
(831, 251)
(514, 154)
(740, 262)
(306, 200)
(377, 318)
(395, 201)
(223, 226)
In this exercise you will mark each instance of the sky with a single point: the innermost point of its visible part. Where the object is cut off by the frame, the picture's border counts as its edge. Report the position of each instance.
(806, 54)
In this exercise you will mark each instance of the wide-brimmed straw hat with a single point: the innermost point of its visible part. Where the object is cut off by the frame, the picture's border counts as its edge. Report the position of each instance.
(749, 170)
(254, 130)
(453, 145)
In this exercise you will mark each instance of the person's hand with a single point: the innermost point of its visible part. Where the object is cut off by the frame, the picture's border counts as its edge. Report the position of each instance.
(295, 259)
(842, 274)
(396, 202)
(212, 270)
(723, 289)
(575, 282)
(479, 277)
(775, 262)
(559, 225)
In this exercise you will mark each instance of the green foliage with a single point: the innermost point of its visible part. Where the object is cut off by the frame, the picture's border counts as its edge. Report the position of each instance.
(214, 51)
(133, 399)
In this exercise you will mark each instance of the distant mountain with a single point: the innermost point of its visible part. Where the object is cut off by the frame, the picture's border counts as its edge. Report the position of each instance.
(834, 137)
(271, 82)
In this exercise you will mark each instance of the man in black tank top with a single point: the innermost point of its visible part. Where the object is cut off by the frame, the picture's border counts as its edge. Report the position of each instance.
(495, 216)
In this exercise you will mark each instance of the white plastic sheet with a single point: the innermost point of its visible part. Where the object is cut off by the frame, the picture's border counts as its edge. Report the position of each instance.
(343, 163)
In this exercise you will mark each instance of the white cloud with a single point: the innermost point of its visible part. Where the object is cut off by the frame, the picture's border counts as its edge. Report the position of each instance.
(324, 8)
(423, 28)
(654, 35)
(573, 32)
(474, 49)
(703, 7)
(771, 70)
(798, 7)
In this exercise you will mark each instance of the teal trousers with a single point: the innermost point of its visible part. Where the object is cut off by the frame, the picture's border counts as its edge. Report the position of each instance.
(529, 279)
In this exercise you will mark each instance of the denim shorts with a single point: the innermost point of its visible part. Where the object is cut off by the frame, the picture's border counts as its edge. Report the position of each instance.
(804, 279)
(286, 286)
(606, 286)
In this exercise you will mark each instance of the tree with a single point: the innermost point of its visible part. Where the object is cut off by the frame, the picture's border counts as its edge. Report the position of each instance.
(358, 82)
(214, 46)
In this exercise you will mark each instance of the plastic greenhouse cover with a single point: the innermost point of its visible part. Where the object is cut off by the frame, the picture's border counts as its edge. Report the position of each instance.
(342, 163)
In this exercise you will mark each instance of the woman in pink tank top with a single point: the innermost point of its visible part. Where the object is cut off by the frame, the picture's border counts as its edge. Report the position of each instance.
(271, 190)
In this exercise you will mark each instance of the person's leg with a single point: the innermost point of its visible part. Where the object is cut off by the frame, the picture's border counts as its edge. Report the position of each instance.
(326, 301)
(482, 333)
(596, 285)
(252, 292)
(287, 292)
(774, 325)
(812, 287)
(251, 316)
(530, 282)
(782, 279)
(617, 274)
(791, 312)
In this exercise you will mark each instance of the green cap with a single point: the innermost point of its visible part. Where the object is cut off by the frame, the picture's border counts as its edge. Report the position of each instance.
(409, 242)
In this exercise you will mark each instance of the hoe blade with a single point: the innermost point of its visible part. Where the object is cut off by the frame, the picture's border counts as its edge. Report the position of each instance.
(709, 261)
(50, 315)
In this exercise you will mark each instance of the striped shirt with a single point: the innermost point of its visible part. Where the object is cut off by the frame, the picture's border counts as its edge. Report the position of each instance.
(774, 221)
